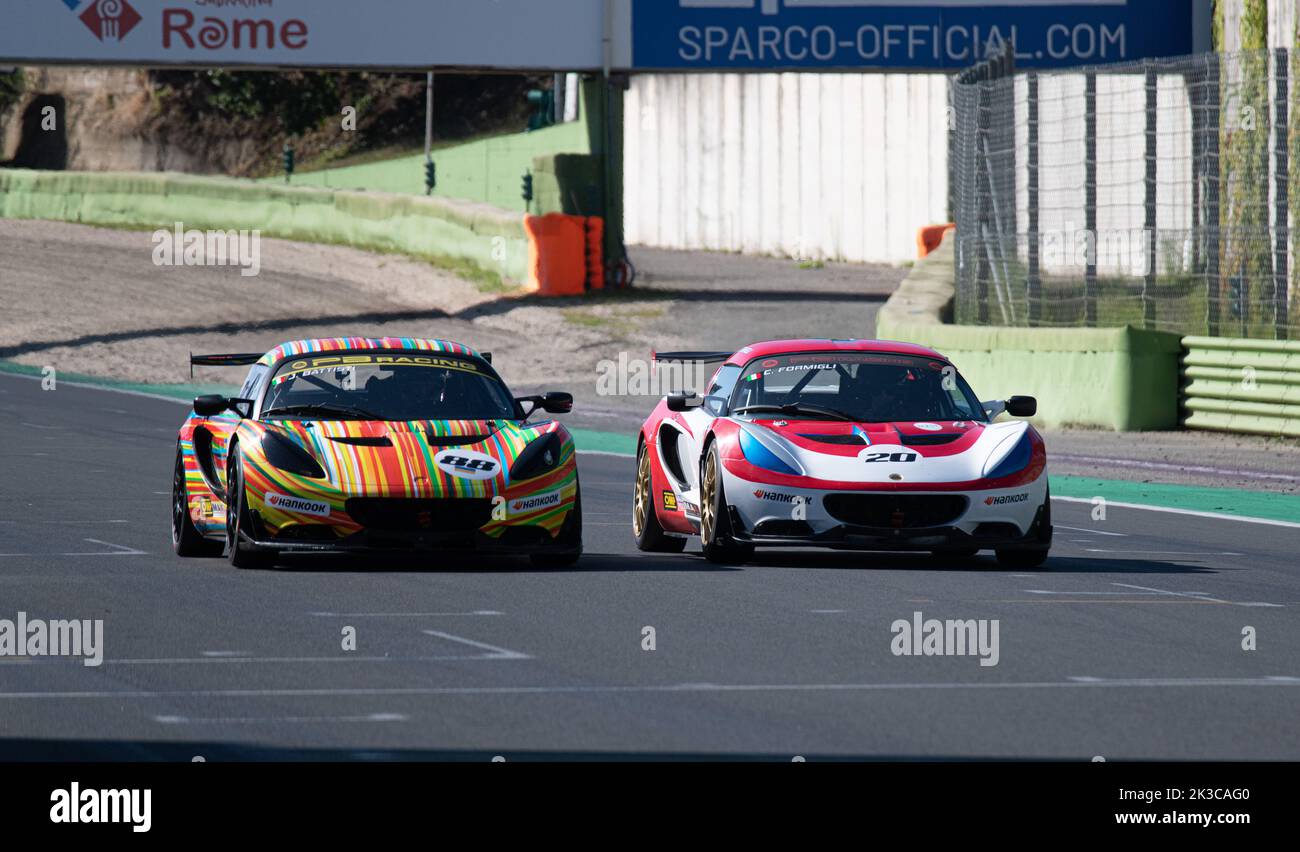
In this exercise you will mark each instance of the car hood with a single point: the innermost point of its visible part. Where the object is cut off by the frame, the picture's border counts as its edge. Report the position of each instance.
(907, 451)
(434, 458)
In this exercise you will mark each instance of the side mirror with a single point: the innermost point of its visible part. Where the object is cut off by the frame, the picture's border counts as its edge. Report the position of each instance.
(683, 401)
(557, 402)
(1022, 406)
(210, 405)
(554, 402)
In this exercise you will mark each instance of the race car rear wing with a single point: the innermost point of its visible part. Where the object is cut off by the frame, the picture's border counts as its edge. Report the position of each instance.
(700, 357)
(245, 359)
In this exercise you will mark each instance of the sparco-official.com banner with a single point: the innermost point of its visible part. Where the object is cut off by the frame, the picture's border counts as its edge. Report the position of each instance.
(559, 34)
(910, 34)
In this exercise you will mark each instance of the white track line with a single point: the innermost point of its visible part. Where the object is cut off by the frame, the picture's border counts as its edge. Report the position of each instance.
(121, 550)
(494, 652)
(483, 612)
(193, 661)
(1086, 530)
(1196, 514)
(1072, 683)
(1137, 591)
(106, 388)
(279, 720)
(1165, 552)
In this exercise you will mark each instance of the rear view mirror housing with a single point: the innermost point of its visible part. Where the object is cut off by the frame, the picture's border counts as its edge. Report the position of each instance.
(1022, 406)
(680, 402)
(552, 402)
(557, 402)
(210, 405)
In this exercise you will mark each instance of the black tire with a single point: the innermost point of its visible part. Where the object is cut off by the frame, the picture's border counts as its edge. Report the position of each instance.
(1022, 559)
(237, 520)
(570, 537)
(958, 554)
(187, 541)
(1027, 559)
(715, 519)
(646, 529)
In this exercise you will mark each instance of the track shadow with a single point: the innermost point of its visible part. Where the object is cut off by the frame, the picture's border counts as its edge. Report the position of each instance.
(52, 750)
(283, 323)
(694, 562)
(447, 563)
(495, 307)
(924, 562)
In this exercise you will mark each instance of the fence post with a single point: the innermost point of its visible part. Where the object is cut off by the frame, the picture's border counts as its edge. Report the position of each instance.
(983, 198)
(1152, 119)
(1034, 283)
(1281, 193)
(1213, 184)
(1090, 197)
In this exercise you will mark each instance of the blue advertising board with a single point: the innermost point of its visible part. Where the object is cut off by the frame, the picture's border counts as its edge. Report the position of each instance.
(938, 35)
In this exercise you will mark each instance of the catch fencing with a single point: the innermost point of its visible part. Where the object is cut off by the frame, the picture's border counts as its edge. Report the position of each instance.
(1159, 194)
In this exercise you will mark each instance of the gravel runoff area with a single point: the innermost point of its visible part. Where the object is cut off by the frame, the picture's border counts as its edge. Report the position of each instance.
(92, 301)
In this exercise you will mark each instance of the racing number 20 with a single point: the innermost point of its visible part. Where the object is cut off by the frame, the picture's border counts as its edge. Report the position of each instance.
(880, 458)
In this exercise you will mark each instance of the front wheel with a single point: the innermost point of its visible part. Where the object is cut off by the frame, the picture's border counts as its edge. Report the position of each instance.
(570, 538)
(957, 554)
(240, 554)
(1022, 559)
(715, 516)
(646, 529)
(187, 541)
(1042, 530)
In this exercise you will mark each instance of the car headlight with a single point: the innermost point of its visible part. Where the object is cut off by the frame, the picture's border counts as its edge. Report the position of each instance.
(760, 456)
(288, 456)
(541, 456)
(1016, 460)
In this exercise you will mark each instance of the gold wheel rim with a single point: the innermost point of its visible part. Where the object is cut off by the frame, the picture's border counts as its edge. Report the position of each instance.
(708, 516)
(641, 503)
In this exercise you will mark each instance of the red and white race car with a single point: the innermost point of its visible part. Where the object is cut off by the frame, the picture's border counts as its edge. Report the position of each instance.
(847, 444)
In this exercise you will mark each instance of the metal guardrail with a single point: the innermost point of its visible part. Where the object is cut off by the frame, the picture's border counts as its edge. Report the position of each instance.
(1238, 385)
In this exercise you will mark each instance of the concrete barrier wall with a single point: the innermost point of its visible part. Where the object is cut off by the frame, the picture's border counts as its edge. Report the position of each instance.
(1242, 385)
(485, 236)
(834, 166)
(1117, 378)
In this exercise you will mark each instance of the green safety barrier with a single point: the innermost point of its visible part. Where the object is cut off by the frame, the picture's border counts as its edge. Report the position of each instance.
(1237, 385)
(485, 236)
(1117, 378)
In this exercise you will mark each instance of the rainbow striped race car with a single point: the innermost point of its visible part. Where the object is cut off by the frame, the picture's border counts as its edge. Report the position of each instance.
(374, 445)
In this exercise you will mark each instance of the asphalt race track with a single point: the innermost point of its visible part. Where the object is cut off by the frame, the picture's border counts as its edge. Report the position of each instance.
(1129, 647)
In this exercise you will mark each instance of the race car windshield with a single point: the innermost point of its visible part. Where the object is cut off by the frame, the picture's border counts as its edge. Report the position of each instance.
(865, 387)
(386, 387)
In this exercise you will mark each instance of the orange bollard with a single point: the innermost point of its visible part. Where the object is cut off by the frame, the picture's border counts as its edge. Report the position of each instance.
(929, 238)
(595, 253)
(557, 254)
